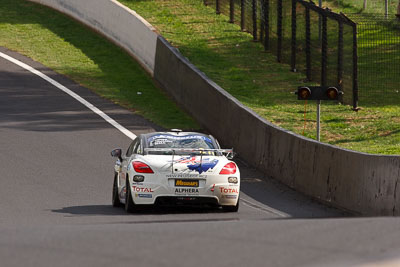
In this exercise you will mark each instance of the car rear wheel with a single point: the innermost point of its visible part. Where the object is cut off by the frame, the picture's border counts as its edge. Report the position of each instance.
(115, 193)
(129, 205)
(231, 208)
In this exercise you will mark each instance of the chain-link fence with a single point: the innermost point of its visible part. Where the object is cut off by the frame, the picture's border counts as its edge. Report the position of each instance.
(359, 51)
(246, 13)
(325, 48)
(373, 6)
(312, 40)
(378, 58)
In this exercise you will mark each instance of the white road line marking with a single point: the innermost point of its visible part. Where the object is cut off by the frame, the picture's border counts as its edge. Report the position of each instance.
(264, 209)
(71, 93)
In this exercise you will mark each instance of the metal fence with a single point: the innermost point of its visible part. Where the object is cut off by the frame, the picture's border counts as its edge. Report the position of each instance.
(381, 7)
(315, 41)
(378, 58)
(358, 51)
(324, 46)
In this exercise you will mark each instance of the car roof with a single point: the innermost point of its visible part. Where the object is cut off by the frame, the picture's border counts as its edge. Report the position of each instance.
(146, 136)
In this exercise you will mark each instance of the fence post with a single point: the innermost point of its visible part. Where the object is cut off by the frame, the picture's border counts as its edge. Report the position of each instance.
(279, 30)
(308, 45)
(217, 7)
(266, 26)
(324, 49)
(340, 60)
(262, 24)
(386, 9)
(294, 28)
(242, 10)
(254, 8)
(398, 11)
(355, 68)
(231, 11)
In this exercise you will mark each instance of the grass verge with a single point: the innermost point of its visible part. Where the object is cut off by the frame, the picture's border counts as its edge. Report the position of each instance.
(374, 6)
(75, 51)
(240, 66)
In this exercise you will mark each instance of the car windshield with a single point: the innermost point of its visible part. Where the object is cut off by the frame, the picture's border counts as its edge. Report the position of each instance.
(165, 141)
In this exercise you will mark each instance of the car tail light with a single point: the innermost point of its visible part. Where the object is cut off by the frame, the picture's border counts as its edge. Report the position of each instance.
(141, 167)
(229, 168)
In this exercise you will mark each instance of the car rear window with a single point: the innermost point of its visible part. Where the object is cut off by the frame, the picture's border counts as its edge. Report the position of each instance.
(184, 141)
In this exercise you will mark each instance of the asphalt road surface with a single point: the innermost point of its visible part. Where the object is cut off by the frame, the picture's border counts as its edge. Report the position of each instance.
(55, 199)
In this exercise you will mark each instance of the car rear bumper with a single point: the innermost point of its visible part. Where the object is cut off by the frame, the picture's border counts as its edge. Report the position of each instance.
(190, 201)
(216, 194)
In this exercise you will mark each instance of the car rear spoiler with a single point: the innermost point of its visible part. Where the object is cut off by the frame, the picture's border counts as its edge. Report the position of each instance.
(228, 153)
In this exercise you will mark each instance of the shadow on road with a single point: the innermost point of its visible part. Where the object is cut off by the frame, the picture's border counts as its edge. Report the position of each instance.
(91, 210)
(102, 210)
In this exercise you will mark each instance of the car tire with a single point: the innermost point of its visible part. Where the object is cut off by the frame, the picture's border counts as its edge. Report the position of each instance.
(115, 194)
(231, 208)
(129, 204)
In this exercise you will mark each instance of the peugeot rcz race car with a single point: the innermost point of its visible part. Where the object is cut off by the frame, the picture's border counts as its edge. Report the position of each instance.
(175, 168)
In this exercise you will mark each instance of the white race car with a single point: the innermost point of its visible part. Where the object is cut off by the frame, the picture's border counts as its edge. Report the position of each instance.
(172, 168)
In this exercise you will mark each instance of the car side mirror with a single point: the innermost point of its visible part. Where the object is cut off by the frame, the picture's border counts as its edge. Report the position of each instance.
(117, 153)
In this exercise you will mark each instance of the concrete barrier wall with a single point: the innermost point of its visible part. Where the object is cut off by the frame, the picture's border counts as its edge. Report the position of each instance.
(117, 22)
(363, 183)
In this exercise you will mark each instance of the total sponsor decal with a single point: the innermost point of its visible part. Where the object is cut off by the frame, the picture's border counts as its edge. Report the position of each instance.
(212, 188)
(142, 189)
(180, 191)
(228, 190)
